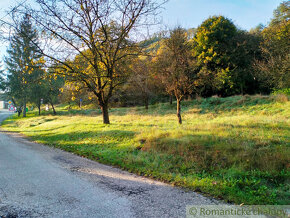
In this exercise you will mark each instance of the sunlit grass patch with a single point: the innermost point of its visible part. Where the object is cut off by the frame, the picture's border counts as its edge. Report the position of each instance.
(234, 148)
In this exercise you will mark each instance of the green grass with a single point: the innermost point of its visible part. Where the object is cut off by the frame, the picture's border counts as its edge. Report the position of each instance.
(234, 148)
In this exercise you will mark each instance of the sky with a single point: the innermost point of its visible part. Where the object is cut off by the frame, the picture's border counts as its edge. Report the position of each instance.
(246, 14)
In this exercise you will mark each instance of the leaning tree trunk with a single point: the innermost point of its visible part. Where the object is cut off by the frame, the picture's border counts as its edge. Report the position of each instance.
(178, 111)
(24, 107)
(54, 112)
(105, 112)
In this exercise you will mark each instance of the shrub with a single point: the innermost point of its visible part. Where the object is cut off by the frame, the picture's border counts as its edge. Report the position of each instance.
(285, 91)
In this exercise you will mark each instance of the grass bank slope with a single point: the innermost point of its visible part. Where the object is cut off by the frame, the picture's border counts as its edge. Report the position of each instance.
(234, 148)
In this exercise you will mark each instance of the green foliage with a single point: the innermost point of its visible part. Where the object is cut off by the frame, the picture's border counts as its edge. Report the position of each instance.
(234, 148)
(212, 36)
(281, 14)
(245, 50)
(285, 91)
(2, 79)
(273, 67)
(213, 45)
(23, 63)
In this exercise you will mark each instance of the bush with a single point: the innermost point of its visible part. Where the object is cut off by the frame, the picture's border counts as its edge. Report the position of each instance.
(285, 91)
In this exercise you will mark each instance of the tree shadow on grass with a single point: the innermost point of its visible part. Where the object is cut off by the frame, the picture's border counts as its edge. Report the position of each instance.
(209, 150)
(44, 130)
(265, 126)
(185, 155)
(104, 138)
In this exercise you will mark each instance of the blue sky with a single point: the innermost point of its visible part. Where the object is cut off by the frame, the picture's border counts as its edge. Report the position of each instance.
(246, 14)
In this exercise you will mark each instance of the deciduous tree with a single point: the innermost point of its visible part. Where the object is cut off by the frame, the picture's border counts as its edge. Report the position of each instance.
(274, 67)
(175, 65)
(212, 46)
(98, 31)
(141, 79)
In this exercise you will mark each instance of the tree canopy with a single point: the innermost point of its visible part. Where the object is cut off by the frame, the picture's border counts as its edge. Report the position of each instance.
(273, 67)
(213, 46)
(24, 62)
(175, 66)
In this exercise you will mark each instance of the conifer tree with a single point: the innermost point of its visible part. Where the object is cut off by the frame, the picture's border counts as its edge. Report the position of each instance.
(23, 62)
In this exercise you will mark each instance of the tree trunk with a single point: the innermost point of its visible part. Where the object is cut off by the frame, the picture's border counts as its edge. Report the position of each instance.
(54, 112)
(178, 111)
(24, 107)
(171, 99)
(242, 90)
(105, 112)
(38, 109)
(19, 111)
(146, 102)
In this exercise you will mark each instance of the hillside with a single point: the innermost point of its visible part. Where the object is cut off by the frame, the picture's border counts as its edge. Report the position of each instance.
(152, 44)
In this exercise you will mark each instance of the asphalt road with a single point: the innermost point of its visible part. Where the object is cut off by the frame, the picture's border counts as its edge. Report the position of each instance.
(39, 181)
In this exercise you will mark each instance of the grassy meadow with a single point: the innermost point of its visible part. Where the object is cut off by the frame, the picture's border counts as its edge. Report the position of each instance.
(235, 148)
